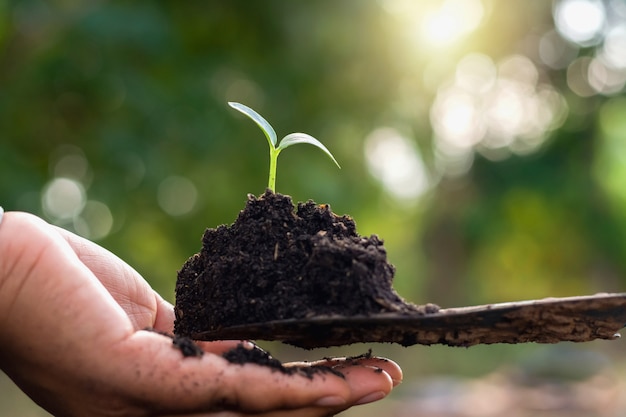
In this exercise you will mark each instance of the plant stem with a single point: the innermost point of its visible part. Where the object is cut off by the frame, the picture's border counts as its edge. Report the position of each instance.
(273, 158)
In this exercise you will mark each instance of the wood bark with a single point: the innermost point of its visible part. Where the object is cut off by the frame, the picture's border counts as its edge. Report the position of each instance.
(550, 320)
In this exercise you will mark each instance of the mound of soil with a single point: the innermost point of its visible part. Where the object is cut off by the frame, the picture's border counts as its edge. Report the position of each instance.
(276, 262)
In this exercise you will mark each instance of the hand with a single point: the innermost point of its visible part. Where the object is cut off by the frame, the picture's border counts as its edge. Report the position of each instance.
(71, 336)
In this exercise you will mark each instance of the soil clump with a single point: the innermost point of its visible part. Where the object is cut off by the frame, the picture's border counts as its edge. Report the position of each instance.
(241, 355)
(278, 262)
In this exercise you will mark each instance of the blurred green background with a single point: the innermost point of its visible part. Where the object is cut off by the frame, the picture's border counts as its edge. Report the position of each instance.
(484, 141)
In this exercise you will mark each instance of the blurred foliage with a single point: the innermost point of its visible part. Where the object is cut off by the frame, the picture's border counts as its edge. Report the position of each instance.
(121, 96)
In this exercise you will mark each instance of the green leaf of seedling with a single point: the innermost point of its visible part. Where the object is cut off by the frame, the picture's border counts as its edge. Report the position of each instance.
(296, 138)
(270, 134)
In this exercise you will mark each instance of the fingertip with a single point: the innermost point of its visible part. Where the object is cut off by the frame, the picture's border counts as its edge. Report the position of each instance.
(367, 383)
(389, 366)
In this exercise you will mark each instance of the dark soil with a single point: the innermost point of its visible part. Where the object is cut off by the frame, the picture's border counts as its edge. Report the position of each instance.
(186, 346)
(241, 355)
(276, 262)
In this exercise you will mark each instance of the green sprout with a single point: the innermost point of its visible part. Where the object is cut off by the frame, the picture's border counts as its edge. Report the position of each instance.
(270, 134)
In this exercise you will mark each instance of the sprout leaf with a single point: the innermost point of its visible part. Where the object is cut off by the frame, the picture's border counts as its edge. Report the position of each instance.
(296, 138)
(270, 134)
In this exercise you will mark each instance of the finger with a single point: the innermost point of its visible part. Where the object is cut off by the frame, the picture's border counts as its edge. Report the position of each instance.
(98, 259)
(301, 412)
(387, 365)
(164, 318)
(390, 367)
(367, 383)
(144, 307)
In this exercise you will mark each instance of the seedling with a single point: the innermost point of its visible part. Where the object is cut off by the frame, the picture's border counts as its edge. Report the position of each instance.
(270, 134)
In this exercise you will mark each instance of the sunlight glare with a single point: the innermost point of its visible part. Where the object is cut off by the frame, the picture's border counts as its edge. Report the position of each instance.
(451, 21)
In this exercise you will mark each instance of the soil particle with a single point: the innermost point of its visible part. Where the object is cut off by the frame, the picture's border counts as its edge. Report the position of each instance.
(186, 346)
(241, 355)
(356, 360)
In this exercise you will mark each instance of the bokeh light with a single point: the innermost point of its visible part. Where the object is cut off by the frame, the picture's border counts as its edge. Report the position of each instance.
(69, 161)
(177, 195)
(556, 52)
(95, 221)
(493, 109)
(580, 21)
(588, 23)
(396, 163)
(605, 79)
(577, 77)
(63, 198)
(613, 50)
